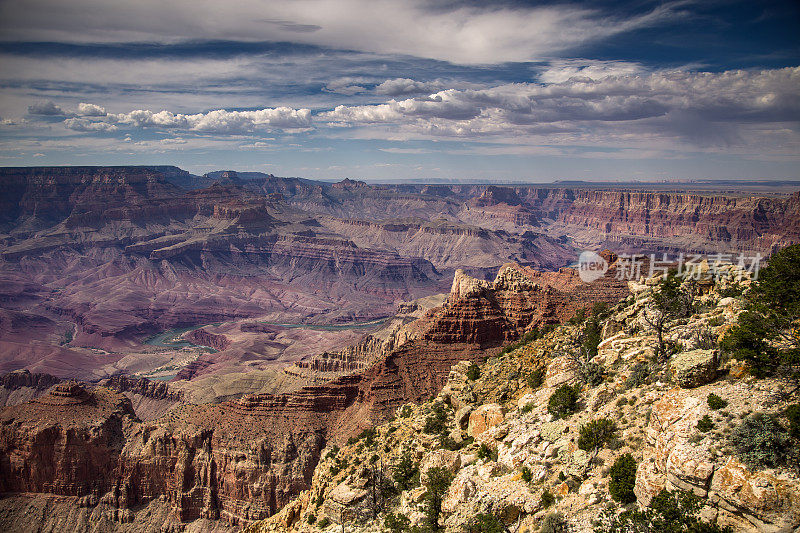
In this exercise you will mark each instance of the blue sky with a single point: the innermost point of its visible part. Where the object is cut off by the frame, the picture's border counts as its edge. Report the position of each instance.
(394, 90)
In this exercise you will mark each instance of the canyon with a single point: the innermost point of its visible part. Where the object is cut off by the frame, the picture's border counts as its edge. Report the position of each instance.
(179, 350)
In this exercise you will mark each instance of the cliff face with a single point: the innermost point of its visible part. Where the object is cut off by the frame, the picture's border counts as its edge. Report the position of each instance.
(517, 466)
(243, 460)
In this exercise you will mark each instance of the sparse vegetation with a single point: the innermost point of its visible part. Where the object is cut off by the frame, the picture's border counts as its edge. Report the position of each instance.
(564, 401)
(672, 300)
(405, 411)
(437, 420)
(592, 335)
(792, 413)
(473, 372)
(311, 519)
(485, 452)
(406, 473)
(485, 523)
(436, 486)
(324, 523)
(527, 338)
(669, 512)
(528, 407)
(760, 441)
(554, 523)
(715, 402)
(536, 378)
(623, 479)
(639, 375)
(396, 523)
(527, 476)
(767, 336)
(596, 434)
(547, 499)
(705, 424)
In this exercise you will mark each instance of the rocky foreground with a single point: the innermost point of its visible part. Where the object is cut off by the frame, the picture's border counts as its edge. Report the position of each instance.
(488, 453)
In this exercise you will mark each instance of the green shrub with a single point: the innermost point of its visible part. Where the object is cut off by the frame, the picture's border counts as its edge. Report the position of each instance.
(592, 335)
(669, 512)
(792, 413)
(715, 402)
(405, 411)
(528, 407)
(396, 523)
(592, 374)
(554, 523)
(705, 424)
(473, 372)
(485, 523)
(437, 420)
(536, 378)
(547, 499)
(563, 402)
(406, 473)
(527, 338)
(766, 335)
(324, 523)
(623, 479)
(435, 488)
(311, 519)
(527, 476)
(596, 434)
(760, 441)
(639, 375)
(485, 452)
(578, 318)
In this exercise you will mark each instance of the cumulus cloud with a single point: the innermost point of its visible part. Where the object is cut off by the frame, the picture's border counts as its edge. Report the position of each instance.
(667, 100)
(47, 108)
(583, 70)
(406, 86)
(85, 125)
(91, 110)
(218, 121)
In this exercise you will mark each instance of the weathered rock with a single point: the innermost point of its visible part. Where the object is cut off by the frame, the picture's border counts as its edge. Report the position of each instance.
(769, 502)
(649, 481)
(561, 370)
(695, 367)
(483, 418)
(447, 459)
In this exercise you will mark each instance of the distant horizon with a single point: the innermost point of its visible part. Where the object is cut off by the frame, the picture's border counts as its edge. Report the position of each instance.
(768, 183)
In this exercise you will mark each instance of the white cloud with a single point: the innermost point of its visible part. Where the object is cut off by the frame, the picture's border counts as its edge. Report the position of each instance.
(91, 110)
(702, 107)
(586, 70)
(405, 86)
(85, 125)
(422, 28)
(218, 121)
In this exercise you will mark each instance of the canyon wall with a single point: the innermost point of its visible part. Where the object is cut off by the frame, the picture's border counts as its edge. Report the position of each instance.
(242, 460)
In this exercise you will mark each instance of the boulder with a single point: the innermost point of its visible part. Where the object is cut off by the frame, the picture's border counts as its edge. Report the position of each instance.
(462, 416)
(447, 459)
(649, 481)
(769, 502)
(483, 418)
(561, 370)
(695, 367)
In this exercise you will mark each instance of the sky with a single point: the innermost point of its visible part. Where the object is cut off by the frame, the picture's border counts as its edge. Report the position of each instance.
(388, 90)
